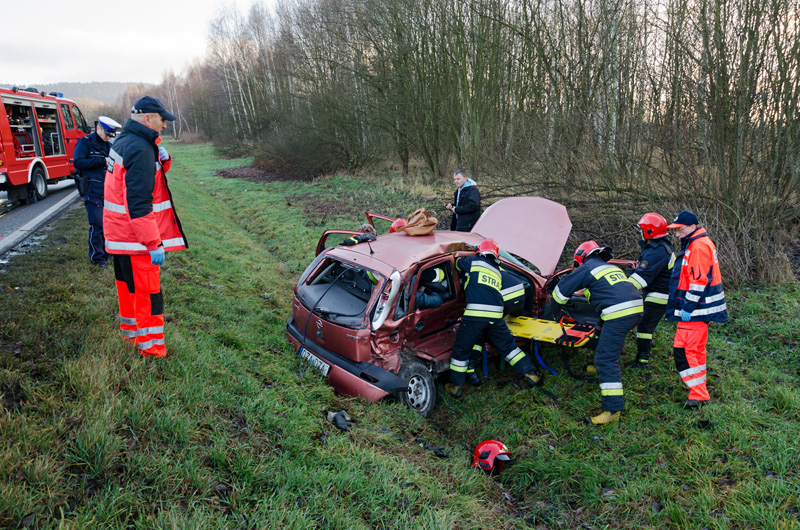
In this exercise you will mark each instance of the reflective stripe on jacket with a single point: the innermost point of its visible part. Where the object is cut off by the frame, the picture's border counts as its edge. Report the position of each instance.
(653, 273)
(610, 292)
(482, 288)
(696, 282)
(138, 211)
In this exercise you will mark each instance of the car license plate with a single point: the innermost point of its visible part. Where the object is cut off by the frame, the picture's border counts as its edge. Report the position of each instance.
(315, 361)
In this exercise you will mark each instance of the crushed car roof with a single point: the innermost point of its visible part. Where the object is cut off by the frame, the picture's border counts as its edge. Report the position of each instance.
(533, 228)
(401, 251)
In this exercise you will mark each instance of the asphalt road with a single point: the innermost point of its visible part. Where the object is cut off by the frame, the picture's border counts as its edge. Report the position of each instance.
(19, 222)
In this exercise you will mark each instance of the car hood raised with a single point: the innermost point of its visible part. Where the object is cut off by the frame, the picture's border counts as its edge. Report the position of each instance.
(533, 228)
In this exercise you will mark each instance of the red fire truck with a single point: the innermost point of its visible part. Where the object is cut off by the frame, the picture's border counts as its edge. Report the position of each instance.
(38, 133)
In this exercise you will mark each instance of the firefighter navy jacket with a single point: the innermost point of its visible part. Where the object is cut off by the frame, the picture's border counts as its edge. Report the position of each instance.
(655, 266)
(696, 283)
(138, 213)
(90, 159)
(610, 292)
(482, 288)
(467, 202)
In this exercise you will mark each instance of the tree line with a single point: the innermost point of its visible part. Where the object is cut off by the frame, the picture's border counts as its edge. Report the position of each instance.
(687, 104)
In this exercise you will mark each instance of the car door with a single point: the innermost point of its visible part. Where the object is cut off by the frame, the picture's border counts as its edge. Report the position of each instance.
(430, 332)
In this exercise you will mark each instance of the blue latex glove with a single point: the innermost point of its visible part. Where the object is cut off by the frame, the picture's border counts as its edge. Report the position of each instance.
(685, 315)
(157, 256)
(162, 154)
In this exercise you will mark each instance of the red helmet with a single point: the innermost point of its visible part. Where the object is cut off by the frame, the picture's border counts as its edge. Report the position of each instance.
(488, 246)
(589, 248)
(490, 455)
(653, 226)
(397, 225)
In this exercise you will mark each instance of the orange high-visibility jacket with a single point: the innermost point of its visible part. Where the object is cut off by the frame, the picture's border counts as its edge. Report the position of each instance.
(138, 212)
(696, 283)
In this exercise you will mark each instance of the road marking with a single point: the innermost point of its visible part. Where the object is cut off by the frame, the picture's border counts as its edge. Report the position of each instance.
(21, 234)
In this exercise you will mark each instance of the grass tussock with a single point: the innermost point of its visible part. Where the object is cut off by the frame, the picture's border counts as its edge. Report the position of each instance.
(228, 431)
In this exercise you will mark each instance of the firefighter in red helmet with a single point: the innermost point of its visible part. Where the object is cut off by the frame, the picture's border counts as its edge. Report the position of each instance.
(651, 277)
(619, 305)
(483, 317)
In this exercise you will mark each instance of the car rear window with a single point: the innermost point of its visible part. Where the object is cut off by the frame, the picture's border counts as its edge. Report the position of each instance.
(338, 292)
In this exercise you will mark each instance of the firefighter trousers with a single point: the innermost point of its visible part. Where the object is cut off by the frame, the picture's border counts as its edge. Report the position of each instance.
(474, 332)
(606, 360)
(652, 315)
(141, 304)
(689, 350)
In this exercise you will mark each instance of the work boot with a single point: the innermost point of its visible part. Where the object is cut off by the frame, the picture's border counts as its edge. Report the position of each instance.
(641, 364)
(604, 418)
(454, 390)
(695, 403)
(534, 379)
(473, 379)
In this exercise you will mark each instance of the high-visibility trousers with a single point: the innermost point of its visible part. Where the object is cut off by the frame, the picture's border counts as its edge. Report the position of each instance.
(141, 304)
(689, 350)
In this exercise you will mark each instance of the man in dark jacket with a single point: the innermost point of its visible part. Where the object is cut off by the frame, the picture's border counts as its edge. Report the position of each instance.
(651, 277)
(696, 299)
(466, 205)
(91, 158)
(619, 305)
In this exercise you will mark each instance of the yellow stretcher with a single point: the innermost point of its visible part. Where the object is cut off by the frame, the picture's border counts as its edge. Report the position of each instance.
(573, 334)
(566, 335)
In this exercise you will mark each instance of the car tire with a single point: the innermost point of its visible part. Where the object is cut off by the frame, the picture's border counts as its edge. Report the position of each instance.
(421, 393)
(39, 183)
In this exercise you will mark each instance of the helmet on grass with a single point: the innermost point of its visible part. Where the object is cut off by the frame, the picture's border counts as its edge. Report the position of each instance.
(653, 226)
(490, 455)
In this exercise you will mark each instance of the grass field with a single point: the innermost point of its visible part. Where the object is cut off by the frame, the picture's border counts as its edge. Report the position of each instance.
(229, 430)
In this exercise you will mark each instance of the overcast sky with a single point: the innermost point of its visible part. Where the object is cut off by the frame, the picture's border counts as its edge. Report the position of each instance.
(47, 41)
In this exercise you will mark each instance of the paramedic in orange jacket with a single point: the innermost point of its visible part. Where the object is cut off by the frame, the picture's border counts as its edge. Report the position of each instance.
(141, 224)
(696, 298)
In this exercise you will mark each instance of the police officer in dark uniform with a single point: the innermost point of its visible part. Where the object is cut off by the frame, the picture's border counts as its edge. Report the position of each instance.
(483, 317)
(91, 157)
(619, 305)
(651, 277)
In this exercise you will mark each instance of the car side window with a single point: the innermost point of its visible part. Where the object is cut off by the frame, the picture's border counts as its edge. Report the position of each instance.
(436, 282)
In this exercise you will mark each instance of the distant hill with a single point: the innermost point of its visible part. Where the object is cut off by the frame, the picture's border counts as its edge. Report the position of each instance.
(105, 92)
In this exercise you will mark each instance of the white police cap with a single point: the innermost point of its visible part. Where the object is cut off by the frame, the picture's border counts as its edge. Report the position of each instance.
(108, 124)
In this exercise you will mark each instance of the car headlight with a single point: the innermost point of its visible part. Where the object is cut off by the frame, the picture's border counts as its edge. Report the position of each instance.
(3, 178)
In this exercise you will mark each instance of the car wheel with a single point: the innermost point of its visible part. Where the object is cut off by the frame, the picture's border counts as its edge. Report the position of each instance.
(39, 183)
(421, 392)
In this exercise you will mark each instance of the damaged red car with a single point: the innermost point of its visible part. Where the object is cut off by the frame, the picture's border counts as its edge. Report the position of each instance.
(354, 315)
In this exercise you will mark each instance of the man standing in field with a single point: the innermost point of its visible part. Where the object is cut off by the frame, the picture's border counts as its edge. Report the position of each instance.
(141, 223)
(466, 205)
(91, 159)
(696, 299)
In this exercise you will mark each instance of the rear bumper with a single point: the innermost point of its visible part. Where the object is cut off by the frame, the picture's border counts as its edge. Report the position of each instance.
(347, 377)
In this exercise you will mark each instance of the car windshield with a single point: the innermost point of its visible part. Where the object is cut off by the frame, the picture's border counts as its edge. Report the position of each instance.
(339, 292)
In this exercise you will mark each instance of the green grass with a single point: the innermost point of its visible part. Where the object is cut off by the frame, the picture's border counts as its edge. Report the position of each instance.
(228, 431)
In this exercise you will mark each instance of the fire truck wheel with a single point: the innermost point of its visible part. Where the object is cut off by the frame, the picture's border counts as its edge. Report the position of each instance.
(421, 392)
(39, 183)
